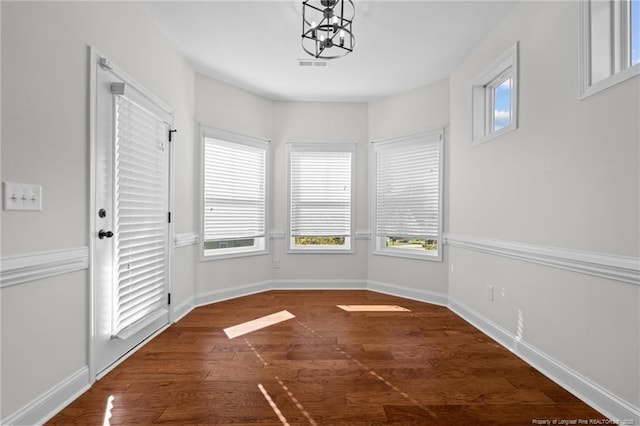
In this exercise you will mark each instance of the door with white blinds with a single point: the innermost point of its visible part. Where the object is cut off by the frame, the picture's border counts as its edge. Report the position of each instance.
(132, 234)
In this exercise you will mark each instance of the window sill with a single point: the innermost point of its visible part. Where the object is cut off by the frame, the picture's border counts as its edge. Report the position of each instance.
(510, 128)
(320, 251)
(407, 255)
(224, 256)
(610, 81)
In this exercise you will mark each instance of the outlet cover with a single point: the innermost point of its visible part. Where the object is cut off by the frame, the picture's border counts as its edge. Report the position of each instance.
(490, 293)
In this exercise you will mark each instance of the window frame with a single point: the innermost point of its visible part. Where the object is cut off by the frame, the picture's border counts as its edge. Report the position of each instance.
(619, 47)
(483, 97)
(349, 246)
(260, 247)
(378, 246)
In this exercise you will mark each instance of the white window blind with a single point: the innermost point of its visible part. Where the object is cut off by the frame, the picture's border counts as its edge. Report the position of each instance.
(141, 207)
(234, 190)
(320, 193)
(408, 187)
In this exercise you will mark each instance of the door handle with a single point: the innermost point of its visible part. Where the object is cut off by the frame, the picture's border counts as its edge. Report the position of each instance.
(102, 233)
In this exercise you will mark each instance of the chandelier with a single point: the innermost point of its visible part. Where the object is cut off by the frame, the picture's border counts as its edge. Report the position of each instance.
(326, 31)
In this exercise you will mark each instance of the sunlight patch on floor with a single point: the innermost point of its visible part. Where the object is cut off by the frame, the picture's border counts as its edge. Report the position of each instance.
(373, 308)
(273, 405)
(257, 324)
(107, 411)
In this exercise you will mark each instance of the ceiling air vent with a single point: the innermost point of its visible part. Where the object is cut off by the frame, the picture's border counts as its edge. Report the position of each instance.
(312, 63)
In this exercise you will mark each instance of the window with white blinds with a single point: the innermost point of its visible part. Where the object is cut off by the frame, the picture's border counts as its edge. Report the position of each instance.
(141, 208)
(234, 196)
(408, 195)
(320, 194)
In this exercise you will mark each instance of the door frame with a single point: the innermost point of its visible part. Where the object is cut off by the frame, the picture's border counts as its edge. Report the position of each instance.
(94, 57)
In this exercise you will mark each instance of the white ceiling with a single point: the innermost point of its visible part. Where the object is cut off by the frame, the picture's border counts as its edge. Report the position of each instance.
(255, 45)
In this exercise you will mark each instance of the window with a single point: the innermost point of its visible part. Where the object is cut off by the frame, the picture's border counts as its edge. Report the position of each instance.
(495, 97)
(610, 43)
(408, 196)
(320, 196)
(234, 188)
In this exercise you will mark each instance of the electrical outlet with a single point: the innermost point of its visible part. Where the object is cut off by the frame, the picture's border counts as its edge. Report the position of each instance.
(276, 263)
(451, 267)
(490, 293)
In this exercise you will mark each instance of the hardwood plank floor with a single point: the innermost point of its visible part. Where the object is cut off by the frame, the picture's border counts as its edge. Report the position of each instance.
(326, 366)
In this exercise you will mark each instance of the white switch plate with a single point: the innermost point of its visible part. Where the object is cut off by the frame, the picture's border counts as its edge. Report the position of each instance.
(22, 196)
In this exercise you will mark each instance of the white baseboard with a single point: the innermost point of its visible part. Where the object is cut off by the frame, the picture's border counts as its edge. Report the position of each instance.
(47, 405)
(214, 296)
(51, 402)
(408, 293)
(320, 284)
(284, 284)
(591, 393)
(182, 309)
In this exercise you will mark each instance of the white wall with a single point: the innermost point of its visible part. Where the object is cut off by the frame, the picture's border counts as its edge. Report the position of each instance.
(568, 178)
(423, 108)
(229, 108)
(45, 323)
(319, 122)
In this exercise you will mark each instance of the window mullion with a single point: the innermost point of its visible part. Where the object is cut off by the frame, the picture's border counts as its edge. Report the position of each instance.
(489, 97)
(621, 37)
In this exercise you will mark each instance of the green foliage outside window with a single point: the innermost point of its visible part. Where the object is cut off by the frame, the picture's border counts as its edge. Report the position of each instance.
(319, 241)
(402, 243)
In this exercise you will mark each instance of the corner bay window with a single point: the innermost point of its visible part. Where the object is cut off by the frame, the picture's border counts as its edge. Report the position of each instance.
(234, 188)
(320, 196)
(408, 195)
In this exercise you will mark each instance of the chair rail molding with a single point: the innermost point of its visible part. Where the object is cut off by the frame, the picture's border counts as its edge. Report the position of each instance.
(277, 234)
(35, 266)
(614, 267)
(185, 239)
(363, 234)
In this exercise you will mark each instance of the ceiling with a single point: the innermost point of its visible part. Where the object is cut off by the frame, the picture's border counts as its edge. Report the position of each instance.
(255, 45)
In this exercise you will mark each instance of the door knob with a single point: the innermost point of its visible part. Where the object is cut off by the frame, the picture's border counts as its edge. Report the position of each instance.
(102, 233)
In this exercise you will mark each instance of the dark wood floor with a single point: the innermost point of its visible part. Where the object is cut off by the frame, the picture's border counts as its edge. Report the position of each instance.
(324, 367)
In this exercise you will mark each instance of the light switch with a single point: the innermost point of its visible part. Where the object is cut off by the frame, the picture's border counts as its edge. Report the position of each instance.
(22, 196)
